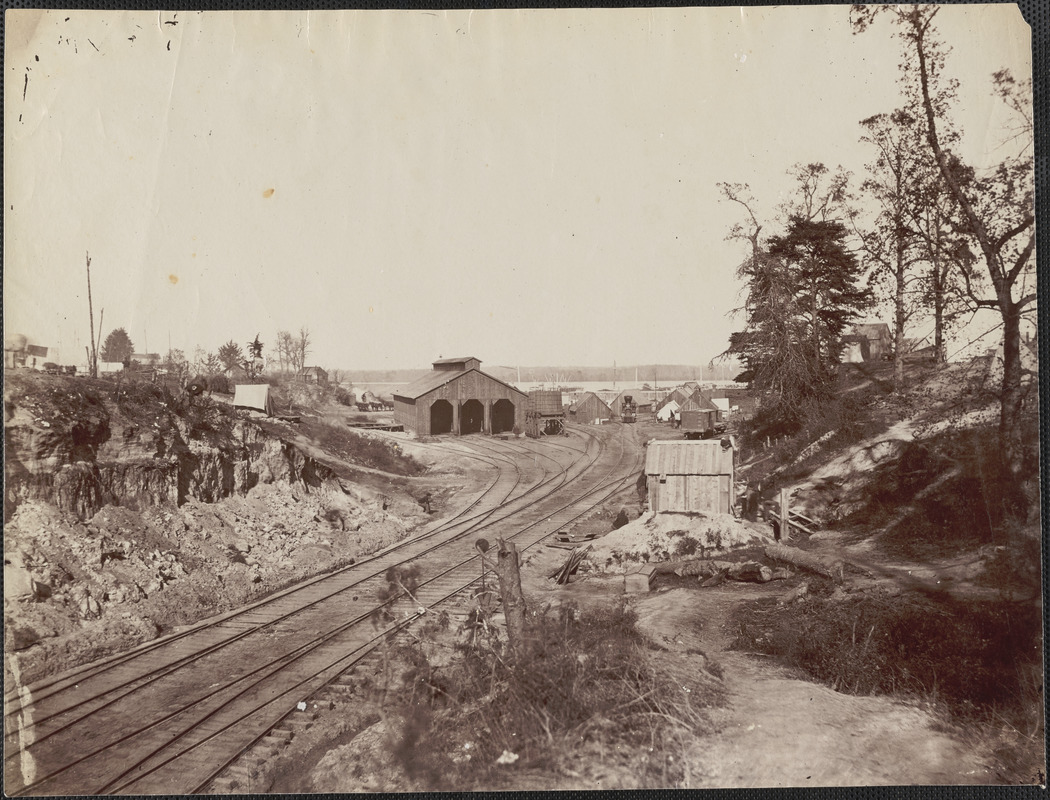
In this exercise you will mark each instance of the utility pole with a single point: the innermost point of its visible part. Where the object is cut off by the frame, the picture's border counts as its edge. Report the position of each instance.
(101, 314)
(93, 365)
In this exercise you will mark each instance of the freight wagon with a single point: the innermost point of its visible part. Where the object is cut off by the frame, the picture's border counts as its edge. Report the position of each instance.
(702, 423)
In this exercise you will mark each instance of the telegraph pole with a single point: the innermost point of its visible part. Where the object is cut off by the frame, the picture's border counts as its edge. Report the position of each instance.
(93, 366)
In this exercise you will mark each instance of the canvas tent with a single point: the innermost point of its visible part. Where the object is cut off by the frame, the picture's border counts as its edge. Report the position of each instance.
(254, 396)
(664, 413)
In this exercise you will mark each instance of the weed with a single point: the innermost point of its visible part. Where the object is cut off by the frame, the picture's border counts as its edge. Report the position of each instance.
(585, 677)
(363, 450)
(980, 662)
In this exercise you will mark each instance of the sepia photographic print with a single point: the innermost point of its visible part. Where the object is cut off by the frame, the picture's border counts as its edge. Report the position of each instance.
(521, 399)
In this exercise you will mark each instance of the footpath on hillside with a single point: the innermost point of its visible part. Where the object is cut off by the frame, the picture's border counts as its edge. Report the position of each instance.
(778, 729)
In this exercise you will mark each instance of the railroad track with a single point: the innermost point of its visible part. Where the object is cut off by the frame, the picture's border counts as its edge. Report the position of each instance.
(171, 716)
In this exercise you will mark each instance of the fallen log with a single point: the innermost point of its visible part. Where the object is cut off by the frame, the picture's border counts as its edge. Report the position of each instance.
(750, 571)
(687, 567)
(806, 560)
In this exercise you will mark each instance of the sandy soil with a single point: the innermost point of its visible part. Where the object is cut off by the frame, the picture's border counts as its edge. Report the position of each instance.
(779, 730)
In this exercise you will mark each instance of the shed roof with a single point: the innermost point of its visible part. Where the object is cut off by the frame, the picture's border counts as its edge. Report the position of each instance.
(437, 378)
(688, 458)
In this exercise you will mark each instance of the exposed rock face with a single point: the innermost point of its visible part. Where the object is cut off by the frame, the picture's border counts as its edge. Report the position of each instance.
(80, 447)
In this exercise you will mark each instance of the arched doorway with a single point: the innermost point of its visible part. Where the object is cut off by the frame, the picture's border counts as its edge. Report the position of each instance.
(471, 417)
(502, 416)
(441, 417)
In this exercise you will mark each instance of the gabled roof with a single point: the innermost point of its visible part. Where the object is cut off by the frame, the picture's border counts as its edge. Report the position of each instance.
(584, 398)
(438, 378)
(698, 402)
(678, 395)
(428, 383)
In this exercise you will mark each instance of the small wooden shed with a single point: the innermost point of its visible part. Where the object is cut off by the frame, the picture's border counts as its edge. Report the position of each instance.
(588, 409)
(545, 414)
(313, 375)
(690, 476)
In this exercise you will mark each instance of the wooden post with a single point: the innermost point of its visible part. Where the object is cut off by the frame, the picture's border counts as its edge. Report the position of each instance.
(784, 513)
(510, 591)
(93, 360)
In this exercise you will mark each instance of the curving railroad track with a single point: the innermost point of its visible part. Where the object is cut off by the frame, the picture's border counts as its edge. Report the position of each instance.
(171, 715)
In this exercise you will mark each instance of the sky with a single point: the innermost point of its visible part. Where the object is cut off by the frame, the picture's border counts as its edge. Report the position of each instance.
(531, 187)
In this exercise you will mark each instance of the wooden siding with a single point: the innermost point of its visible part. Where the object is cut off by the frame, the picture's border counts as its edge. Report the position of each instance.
(405, 414)
(474, 385)
(704, 493)
(591, 408)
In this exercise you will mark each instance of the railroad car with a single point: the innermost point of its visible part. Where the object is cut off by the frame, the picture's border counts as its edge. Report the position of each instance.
(702, 423)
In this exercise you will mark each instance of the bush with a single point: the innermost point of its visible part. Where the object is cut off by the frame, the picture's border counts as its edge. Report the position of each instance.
(343, 396)
(973, 657)
(361, 449)
(587, 677)
(219, 383)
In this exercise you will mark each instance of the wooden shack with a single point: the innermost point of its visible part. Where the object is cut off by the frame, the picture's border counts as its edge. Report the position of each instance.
(589, 409)
(315, 375)
(457, 397)
(690, 476)
(545, 415)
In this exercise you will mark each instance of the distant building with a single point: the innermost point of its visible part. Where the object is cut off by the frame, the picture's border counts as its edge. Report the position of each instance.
(457, 397)
(545, 413)
(855, 349)
(685, 476)
(879, 338)
(589, 409)
(313, 375)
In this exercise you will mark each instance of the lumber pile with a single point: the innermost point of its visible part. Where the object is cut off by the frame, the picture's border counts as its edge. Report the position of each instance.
(562, 574)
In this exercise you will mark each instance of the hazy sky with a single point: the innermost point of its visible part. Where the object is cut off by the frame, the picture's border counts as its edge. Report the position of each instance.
(530, 187)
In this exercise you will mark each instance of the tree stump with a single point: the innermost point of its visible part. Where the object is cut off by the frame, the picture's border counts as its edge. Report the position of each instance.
(510, 591)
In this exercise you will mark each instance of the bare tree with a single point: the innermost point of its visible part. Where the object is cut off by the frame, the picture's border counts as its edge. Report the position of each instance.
(997, 207)
(301, 349)
(890, 244)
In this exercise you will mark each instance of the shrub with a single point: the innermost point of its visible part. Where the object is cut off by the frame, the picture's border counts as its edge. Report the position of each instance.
(585, 677)
(973, 657)
(219, 383)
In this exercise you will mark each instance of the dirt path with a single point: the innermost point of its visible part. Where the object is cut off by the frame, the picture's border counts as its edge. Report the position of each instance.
(779, 730)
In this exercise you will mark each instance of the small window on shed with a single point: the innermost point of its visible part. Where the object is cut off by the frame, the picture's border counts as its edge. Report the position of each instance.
(663, 479)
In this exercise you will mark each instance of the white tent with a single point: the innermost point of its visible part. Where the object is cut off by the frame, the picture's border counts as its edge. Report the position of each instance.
(722, 403)
(664, 413)
(255, 396)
